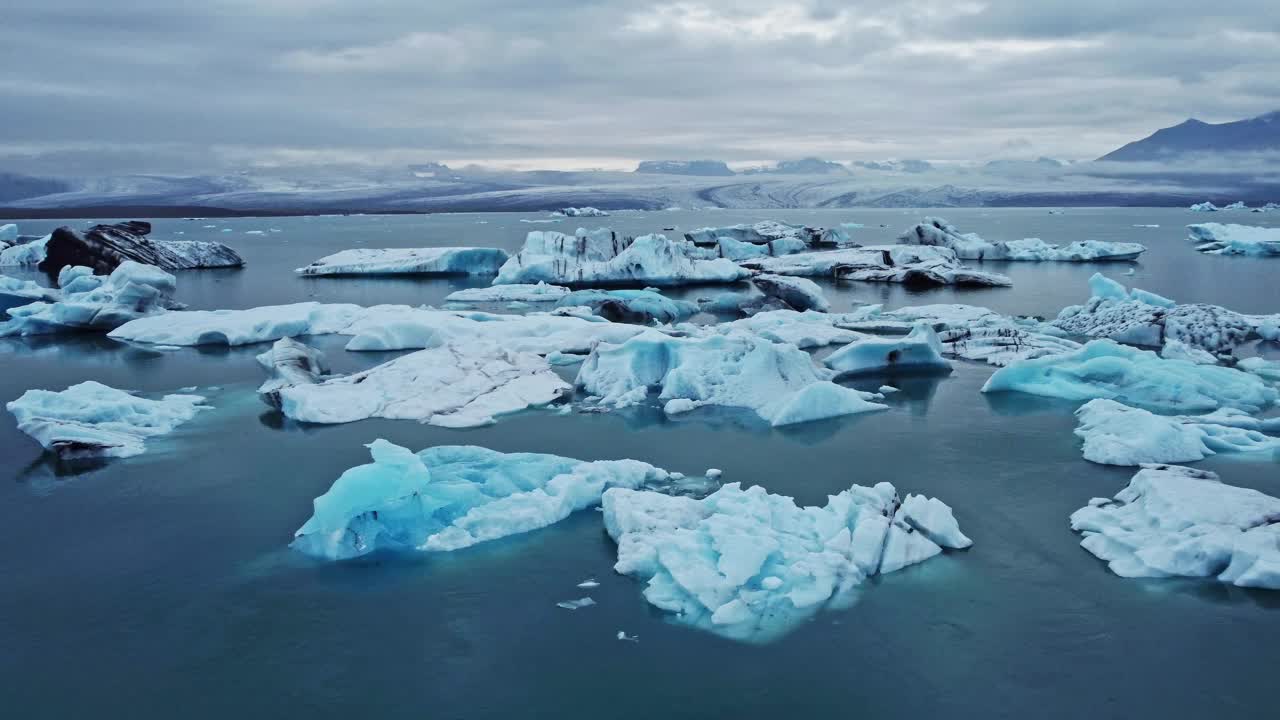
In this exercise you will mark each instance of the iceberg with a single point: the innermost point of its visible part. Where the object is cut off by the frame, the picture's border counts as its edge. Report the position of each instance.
(1137, 317)
(1106, 369)
(779, 382)
(449, 385)
(1116, 434)
(921, 350)
(969, 246)
(1173, 521)
(106, 247)
(580, 212)
(540, 292)
(906, 264)
(95, 303)
(751, 566)
(381, 327)
(92, 420)
(796, 293)
(737, 250)
(603, 257)
(409, 261)
(1204, 207)
(1237, 205)
(809, 329)
(1220, 239)
(630, 306)
(780, 238)
(23, 254)
(450, 497)
(15, 293)
(8, 234)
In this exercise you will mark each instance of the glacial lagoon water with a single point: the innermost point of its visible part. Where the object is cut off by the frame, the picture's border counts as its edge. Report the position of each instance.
(162, 585)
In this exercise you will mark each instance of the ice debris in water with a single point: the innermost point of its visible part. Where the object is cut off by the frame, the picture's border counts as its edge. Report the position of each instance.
(1105, 369)
(540, 292)
(1177, 522)
(921, 350)
(622, 635)
(576, 604)
(93, 302)
(451, 497)
(779, 382)
(409, 261)
(1116, 434)
(751, 566)
(91, 420)
(588, 584)
(603, 257)
(969, 246)
(1219, 239)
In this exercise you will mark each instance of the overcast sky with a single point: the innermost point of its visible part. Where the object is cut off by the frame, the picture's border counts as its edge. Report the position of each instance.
(157, 85)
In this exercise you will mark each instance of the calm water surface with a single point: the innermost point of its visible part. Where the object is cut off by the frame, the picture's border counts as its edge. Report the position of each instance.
(162, 585)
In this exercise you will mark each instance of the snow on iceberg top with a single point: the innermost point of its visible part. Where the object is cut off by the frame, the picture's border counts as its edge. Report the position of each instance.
(409, 261)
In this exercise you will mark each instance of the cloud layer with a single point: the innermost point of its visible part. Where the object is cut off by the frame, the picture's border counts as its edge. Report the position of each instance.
(143, 85)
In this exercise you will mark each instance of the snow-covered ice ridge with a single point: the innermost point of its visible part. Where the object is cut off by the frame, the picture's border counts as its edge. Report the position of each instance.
(603, 257)
(751, 566)
(1116, 434)
(380, 327)
(1137, 317)
(409, 261)
(969, 246)
(779, 382)
(1106, 369)
(907, 264)
(451, 497)
(92, 420)
(1177, 522)
(1219, 239)
(94, 302)
(450, 385)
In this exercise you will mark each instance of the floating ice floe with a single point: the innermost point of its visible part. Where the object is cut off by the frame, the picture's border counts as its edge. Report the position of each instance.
(15, 293)
(1137, 317)
(451, 497)
(920, 350)
(90, 302)
(1177, 522)
(779, 382)
(409, 261)
(92, 420)
(1219, 239)
(1205, 206)
(24, 254)
(381, 327)
(576, 604)
(449, 385)
(969, 246)
(8, 234)
(105, 247)
(580, 212)
(1237, 205)
(906, 264)
(1105, 369)
(767, 238)
(603, 257)
(796, 293)
(805, 330)
(751, 566)
(540, 292)
(630, 306)
(1116, 434)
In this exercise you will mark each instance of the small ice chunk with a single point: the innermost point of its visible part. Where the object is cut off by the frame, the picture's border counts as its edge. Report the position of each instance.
(576, 604)
(588, 584)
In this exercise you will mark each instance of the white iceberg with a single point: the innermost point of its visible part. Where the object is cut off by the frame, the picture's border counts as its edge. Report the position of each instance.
(1116, 434)
(410, 261)
(451, 497)
(809, 329)
(1137, 317)
(919, 350)
(1177, 522)
(8, 234)
(751, 566)
(779, 382)
(906, 264)
(1219, 239)
(540, 292)
(1105, 369)
(1205, 206)
(796, 293)
(630, 306)
(381, 327)
(603, 257)
(448, 385)
(15, 293)
(580, 212)
(24, 254)
(780, 238)
(95, 303)
(970, 246)
(92, 420)
(289, 363)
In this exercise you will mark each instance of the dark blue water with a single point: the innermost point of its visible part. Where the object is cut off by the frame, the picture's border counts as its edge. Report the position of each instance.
(161, 585)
